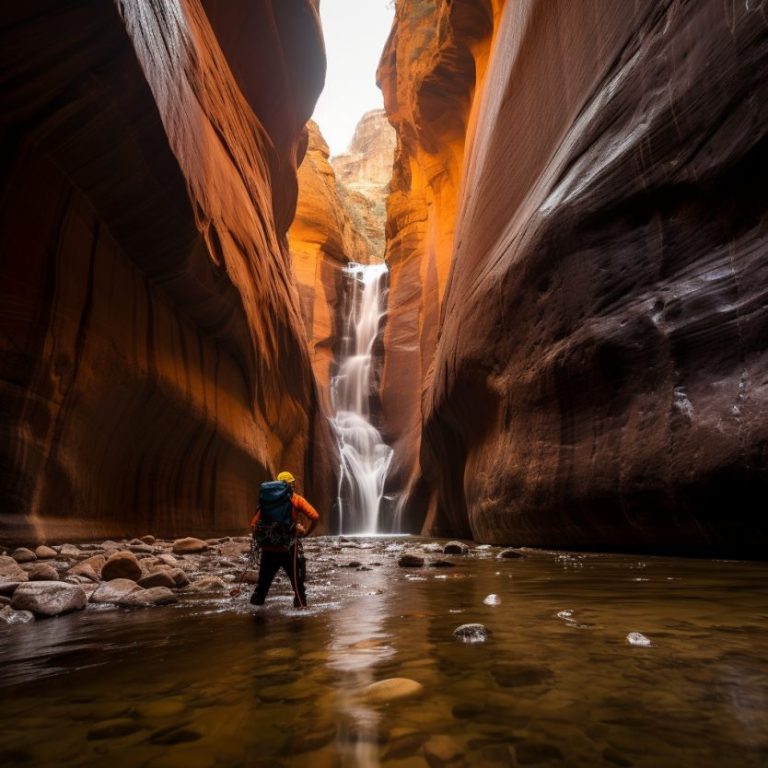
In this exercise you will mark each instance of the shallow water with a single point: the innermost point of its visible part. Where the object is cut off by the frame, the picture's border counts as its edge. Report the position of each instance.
(215, 682)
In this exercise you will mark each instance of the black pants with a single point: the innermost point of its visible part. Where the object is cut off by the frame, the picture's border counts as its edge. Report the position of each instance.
(271, 562)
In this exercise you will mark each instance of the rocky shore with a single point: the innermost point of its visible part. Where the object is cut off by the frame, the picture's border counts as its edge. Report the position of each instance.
(136, 573)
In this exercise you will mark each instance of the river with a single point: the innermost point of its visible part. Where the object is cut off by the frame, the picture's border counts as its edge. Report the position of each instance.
(213, 681)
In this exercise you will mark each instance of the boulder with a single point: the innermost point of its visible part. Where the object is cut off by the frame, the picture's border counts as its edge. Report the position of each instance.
(43, 572)
(455, 548)
(114, 591)
(410, 560)
(392, 689)
(10, 570)
(45, 552)
(189, 545)
(145, 598)
(10, 616)
(121, 565)
(158, 579)
(49, 598)
(24, 555)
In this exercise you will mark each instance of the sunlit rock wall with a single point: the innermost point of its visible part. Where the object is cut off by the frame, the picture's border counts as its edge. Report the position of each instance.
(364, 172)
(323, 239)
(153, 366)
(429, 73)
(601, 376)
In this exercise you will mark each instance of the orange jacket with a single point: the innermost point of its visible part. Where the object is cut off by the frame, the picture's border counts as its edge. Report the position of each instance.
(299, 504)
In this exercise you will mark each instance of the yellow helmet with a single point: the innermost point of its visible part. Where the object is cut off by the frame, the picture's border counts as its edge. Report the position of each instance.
(286, 477)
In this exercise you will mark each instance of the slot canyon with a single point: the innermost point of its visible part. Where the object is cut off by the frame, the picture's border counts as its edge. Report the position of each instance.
(517, 331)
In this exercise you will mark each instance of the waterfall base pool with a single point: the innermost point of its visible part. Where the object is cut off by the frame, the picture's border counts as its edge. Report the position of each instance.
(561, 679)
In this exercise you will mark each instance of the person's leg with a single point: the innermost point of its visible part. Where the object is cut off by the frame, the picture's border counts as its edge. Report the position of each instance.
(270, 563)
(297, 570)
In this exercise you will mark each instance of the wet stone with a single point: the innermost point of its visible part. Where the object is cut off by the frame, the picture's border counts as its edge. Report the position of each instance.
(313, 738)
(509, 554)
(441, 564)
(113, 729)
(158, 579)
(148, 539)
(10, 570)
(392, 689)
(410, 561)
(145, 598)
(189, 545)
(175, 734)
(404, 744)
(10, 616)
(69, 550)
(208, 584)
(49, 598)
(43, 572)
(24, 555)
(532, 753)
(471, 633)
(455, 548)
(121, 565)
(84, 569)
(114, 591)
(442, 751)
(44, 552)
(514, 675)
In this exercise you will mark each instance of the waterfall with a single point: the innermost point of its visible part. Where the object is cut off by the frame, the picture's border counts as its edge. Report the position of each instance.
(365, 458)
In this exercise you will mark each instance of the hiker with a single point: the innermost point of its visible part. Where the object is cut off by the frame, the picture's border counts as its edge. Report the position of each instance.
(277, 529)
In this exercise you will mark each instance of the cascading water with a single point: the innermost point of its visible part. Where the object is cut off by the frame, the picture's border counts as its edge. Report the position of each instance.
(365, 458)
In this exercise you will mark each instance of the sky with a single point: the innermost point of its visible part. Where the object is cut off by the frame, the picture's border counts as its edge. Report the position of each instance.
(355, 32)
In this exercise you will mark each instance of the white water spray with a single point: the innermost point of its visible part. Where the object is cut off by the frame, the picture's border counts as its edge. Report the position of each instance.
(365, 458)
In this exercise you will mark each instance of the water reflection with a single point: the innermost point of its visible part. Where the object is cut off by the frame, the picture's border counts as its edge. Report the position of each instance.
(212, 681)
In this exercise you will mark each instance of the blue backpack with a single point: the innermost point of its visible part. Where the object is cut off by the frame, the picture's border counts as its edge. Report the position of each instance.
(275, 527)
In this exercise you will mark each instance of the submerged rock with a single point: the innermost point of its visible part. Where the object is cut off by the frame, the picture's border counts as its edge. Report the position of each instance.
(472, 633)
(492, 600)
(208, 584)
(49, 598)
(509, 554)
(409, 560)
(9, 615)
(112, 729)
(392, 689)
(442, 751)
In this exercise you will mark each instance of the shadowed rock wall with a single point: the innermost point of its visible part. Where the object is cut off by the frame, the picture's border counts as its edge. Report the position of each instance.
(600, 376)
(153, 366)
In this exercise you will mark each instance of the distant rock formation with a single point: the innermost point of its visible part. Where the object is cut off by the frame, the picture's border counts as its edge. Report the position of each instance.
(592, 175)
(364, 172)
(323, 239)
(153, 366)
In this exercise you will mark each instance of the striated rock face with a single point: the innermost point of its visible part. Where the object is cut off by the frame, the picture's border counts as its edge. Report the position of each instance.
(600, 377)
(153, 366)
(434, 57)
(364, 173)
(323, 239)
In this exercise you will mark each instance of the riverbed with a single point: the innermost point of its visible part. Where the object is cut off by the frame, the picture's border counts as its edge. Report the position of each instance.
(591, 659)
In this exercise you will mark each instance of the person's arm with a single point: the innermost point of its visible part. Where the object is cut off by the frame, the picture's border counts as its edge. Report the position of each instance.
(301, 505)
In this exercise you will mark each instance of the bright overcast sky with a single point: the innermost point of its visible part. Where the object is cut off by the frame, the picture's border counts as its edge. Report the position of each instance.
(355, 33)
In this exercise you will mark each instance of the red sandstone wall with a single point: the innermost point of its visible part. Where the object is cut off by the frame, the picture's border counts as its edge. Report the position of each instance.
(600, 375)
(153, 366)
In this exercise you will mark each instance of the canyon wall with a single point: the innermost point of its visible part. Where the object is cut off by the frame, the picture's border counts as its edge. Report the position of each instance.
(364, 172)
(601, 374)
(153, 364)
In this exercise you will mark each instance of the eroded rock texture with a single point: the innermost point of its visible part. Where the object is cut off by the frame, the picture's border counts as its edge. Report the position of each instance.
(435, 56)
(152, 360)
(323, 239)
(601, 377)
(364, 172)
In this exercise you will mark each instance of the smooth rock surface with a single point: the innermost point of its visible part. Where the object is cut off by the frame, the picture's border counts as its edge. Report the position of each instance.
(48, 598)
(189, 545)
(23, 555)
(121, 565)
(145, 598)
(10, 570)
(45, 552)
(114, 591)
(43, 572)
(392, 689)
